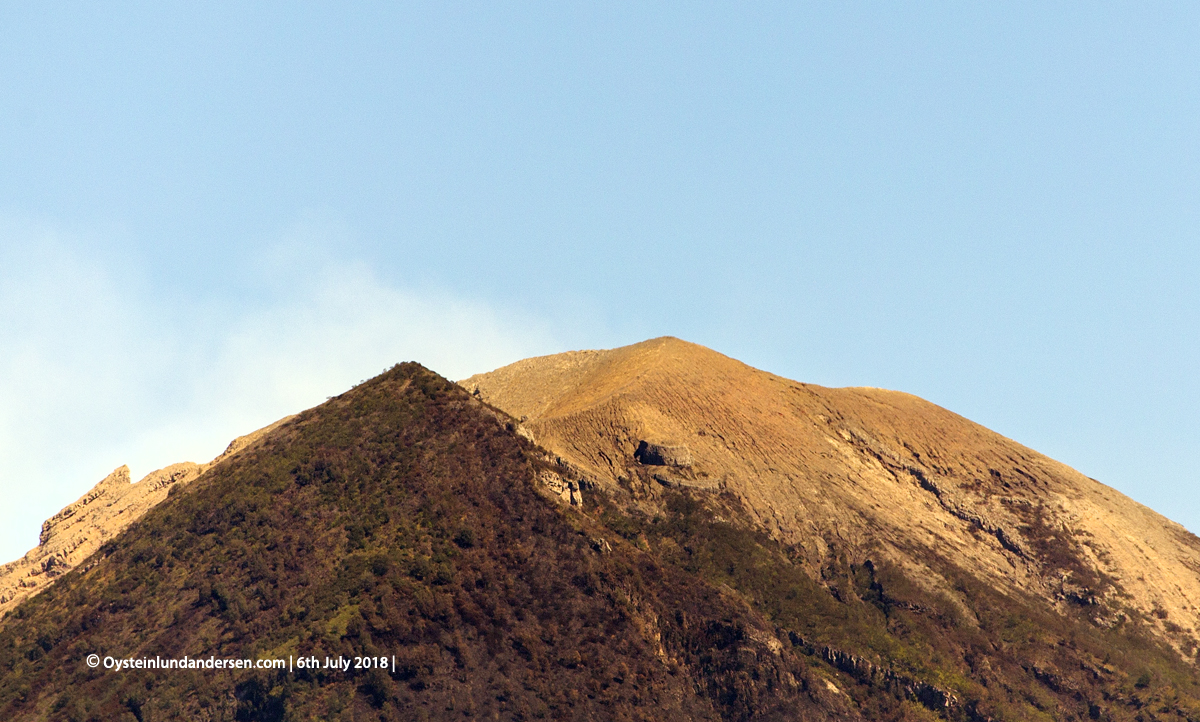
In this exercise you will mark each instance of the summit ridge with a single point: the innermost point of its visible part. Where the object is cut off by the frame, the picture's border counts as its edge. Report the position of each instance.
(880, 471)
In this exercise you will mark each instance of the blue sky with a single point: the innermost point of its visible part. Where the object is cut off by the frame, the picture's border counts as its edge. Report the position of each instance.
(212, 215)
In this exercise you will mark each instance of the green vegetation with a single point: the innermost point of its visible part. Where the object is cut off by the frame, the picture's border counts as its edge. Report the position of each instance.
(398, 519)
(402, 518)
(1001, 657)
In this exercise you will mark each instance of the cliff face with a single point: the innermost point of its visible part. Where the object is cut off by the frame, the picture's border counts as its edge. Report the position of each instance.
(858, 471)
(75, 533)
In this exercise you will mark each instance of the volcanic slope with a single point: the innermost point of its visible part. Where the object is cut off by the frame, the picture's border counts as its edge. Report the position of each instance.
(405, 519)
(862, 472)
(400, 520)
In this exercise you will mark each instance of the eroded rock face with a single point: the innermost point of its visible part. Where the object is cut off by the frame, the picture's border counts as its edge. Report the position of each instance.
(653, 454)
(75, 533)
(873, 472)
(565, 490)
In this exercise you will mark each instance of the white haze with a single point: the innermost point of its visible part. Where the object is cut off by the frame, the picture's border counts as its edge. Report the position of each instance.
(98, 370)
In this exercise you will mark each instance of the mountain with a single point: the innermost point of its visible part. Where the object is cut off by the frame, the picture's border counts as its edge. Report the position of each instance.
(863, 471)
(402, 519)
(654, 532)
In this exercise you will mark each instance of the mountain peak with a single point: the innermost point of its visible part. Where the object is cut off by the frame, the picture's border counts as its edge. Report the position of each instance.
(884, 471)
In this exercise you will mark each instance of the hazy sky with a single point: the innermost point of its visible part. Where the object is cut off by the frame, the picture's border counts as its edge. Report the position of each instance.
(215, 215)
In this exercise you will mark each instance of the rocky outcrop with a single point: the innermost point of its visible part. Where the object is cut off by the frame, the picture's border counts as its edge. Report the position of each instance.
(867, 672)
(565, 490)
(652, 454)
(75, 533)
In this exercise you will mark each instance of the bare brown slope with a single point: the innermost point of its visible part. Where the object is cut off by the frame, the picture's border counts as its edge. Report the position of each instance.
(107, 509)
(859, 470)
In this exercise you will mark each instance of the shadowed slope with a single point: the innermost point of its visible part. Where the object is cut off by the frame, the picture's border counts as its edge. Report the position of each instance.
(401, 518)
